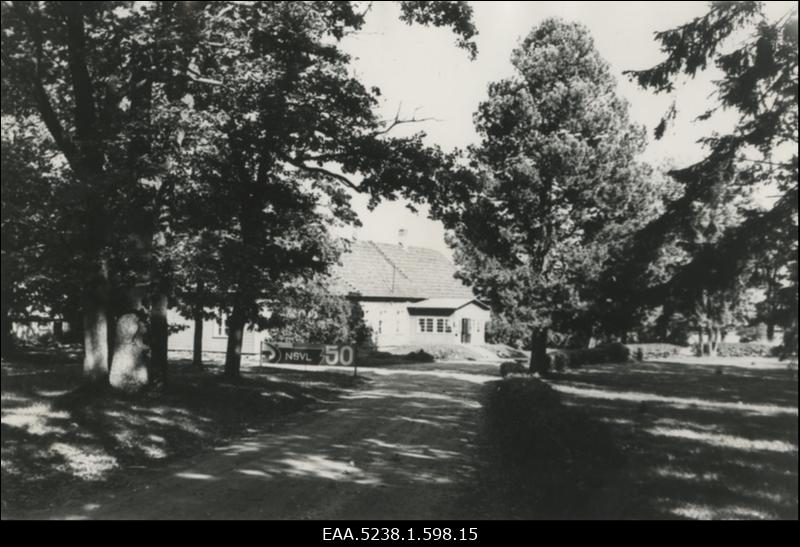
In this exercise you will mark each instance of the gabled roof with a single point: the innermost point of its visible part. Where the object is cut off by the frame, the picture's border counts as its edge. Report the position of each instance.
(382, 270)
(446, 304)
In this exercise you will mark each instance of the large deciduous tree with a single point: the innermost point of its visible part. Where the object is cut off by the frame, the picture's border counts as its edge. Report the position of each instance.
(252, 105)
(97, 74)
(556, 176)
(292, 132)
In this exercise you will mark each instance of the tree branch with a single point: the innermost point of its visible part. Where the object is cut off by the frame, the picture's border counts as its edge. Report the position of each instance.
(85, 122)
(398, 121)
(45, 106)
(325, 173)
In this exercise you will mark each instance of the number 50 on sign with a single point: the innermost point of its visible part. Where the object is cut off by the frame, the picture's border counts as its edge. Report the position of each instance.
(339, 355)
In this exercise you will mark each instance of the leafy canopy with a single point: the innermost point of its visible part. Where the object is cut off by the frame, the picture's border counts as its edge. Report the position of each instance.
(556, 180)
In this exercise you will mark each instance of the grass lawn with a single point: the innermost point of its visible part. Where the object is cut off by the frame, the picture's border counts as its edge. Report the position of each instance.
(708, 440)
(60, 440)
(654, 440)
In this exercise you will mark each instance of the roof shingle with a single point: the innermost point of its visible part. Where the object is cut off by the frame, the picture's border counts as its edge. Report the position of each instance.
(397, 271)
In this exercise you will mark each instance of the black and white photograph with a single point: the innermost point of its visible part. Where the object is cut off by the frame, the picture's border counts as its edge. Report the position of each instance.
(414, 271)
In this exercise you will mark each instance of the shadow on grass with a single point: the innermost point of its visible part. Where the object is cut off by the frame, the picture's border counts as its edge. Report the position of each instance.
(60, 438)
(546, 460)
(700, 441)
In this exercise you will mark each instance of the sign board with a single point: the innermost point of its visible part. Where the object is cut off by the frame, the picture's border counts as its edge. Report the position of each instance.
(308, 354)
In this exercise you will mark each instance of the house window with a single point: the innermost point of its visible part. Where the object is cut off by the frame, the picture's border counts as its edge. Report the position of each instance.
(434, 324)
(221, 326)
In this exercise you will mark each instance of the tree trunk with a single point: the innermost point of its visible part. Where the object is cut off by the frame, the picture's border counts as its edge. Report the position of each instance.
(700, 348)
(770, 331)
(539, 362)
(95, 330)
(713, 341)
(58, 330)
(159, 338)
(197, 349)
(7, 346)
(663, 323)
(111, 320)
(233, 355)
(129, 365)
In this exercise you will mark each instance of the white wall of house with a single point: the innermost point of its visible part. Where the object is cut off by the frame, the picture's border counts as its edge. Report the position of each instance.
(389, 322)
(392, 325)
(478, 318)
(214, 337)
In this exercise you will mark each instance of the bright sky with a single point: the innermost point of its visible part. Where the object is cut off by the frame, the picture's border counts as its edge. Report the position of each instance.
(421, 68)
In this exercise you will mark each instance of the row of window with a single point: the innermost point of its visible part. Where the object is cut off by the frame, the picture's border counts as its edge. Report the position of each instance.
(434, 324)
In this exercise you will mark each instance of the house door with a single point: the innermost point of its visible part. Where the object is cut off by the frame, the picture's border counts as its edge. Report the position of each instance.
(465, 330)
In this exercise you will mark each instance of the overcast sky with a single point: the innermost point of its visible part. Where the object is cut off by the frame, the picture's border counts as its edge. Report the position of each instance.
(421, 68)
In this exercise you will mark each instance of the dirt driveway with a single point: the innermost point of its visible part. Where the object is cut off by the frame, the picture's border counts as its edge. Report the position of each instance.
(404, 446)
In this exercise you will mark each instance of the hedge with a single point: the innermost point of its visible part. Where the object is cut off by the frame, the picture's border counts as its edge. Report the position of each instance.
(653, 350)
(574, 358)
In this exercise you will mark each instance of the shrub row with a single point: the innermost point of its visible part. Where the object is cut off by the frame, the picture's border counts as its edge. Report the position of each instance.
(642, 352)
(419, 356)
(574, 358)
(378, 358)
(745, 349)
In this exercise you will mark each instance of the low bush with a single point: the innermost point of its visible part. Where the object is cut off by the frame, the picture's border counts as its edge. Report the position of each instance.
(559, 360)
(745, 349)
(373, 358)
(556, 454)
(574, 358)
(512, 367)
(419, 356)
(616, 352)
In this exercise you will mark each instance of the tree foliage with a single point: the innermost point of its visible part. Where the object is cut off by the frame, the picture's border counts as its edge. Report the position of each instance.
(311, 313)
(758, 61)
(38, 216)
(210, 146)
(557, 182)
